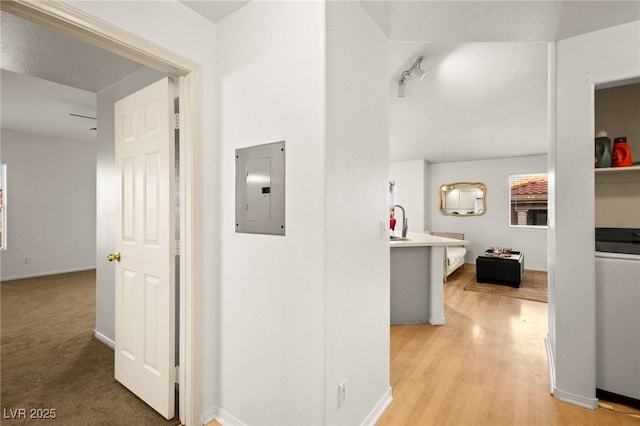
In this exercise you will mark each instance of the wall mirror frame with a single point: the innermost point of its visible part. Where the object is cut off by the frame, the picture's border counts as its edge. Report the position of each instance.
(462, 199)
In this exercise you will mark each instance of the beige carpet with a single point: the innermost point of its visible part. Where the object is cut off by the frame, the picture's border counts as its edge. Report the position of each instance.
(532, 287)
(50, 359)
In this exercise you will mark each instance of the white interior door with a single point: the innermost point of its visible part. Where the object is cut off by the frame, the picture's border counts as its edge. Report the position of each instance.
(145, 270)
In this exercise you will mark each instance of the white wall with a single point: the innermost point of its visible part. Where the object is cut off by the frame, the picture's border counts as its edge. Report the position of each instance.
(106, 197)
(50, 205)
(273, 296)
(411, 193)
(313, 307)
(177, 28)
(492, 228)
(601, 56)
(358, 293)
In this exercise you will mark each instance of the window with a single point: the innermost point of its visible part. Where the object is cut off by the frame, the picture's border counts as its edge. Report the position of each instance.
(3, 210)
(528, 195)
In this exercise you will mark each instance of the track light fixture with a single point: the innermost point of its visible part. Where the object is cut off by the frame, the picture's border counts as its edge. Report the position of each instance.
(414, 71)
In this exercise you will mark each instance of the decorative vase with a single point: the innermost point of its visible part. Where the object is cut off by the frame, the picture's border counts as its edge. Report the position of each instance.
(603, 150)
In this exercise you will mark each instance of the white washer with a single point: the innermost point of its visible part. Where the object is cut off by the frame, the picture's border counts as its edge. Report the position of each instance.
(618, 323)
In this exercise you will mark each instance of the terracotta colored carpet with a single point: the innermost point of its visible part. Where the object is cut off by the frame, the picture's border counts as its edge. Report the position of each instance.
(533, 286)
(51, 361)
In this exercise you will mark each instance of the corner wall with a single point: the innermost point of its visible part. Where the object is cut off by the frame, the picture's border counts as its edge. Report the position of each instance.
(357, 171)
(598, 57)
(300, 313)
(272, 302)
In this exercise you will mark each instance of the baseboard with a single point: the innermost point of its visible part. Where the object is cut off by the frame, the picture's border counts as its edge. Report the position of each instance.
(226, 419)
(571, 398)
(379, 409)
(46, 274)
(579, 400)
(208, 415)
(219, 415)
(436, 321)
(552, 364)
(104, 339)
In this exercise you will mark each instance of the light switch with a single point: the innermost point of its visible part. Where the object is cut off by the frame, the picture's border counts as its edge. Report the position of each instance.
(260, 189)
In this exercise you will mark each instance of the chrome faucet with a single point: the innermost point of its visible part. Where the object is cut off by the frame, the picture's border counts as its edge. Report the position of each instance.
(405, 227)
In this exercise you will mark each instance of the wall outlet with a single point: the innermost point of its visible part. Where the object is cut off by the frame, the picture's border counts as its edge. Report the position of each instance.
(342, 393)
(27, 260)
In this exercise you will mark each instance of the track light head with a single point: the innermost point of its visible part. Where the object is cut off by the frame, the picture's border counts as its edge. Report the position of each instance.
(418, 73)
(402, 88)
(414, 71)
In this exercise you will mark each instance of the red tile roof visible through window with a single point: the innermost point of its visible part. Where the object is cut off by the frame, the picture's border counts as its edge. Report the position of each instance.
(529, 186)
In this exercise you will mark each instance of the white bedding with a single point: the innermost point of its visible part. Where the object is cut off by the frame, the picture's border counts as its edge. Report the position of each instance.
(455, 255)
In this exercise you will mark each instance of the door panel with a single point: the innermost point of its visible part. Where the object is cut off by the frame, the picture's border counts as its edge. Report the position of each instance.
(145, 274)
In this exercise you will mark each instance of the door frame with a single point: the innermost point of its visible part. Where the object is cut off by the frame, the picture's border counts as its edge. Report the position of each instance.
(96, 32)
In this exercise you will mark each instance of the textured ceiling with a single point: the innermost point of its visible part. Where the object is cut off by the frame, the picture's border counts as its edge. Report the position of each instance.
(46, 76)
(485, 92)
(497, 21)
(31, 49)
(485, 99)
(476, 20)
(477, 101)
(40, 107)
(214, 10)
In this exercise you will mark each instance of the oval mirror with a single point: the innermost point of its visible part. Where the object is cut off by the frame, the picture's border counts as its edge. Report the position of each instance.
(462, 199)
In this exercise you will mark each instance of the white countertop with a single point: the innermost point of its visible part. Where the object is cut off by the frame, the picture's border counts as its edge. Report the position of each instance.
(425, 240)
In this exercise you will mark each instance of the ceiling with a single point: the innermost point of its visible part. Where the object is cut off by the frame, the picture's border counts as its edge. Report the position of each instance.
(485, 98)
(497, 21)
(485, 92)
(47, 76)
(475, 20)
(41, 107)
(477, 101)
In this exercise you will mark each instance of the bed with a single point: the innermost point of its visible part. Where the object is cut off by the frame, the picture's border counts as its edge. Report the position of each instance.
(453, 255)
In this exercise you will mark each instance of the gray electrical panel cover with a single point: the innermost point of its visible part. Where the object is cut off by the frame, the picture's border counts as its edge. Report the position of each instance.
(260, 187)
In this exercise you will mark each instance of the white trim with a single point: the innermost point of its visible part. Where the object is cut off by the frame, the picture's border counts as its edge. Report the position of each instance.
(436, 320)
(104, 339)
(219, 415)
(571, 398)
(80, 25)
(48, 273)
(552, 364)
(579, 400)
(379, 408)
(209, 415)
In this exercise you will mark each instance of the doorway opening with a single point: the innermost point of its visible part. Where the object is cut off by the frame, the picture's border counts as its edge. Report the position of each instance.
(79, 25)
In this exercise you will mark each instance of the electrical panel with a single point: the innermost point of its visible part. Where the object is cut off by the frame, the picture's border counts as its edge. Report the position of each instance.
(260, 189)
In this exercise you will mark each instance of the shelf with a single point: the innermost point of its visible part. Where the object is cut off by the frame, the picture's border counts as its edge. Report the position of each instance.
(635, 167)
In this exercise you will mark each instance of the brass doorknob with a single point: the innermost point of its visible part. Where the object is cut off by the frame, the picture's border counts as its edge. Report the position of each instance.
(113, 257)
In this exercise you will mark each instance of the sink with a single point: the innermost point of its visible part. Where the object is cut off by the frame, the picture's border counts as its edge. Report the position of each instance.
(394, 238)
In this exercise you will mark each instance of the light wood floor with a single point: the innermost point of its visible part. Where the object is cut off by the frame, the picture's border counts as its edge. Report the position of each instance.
(486, 366)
